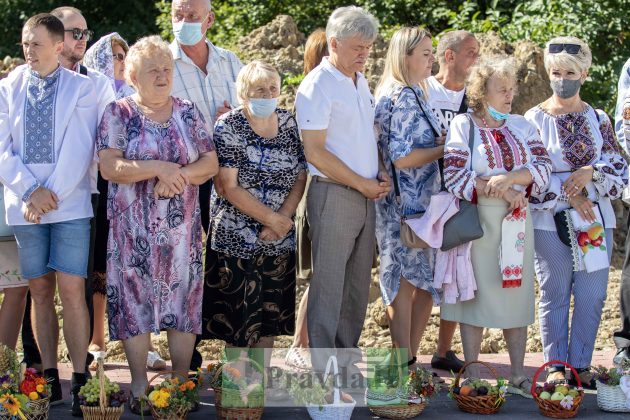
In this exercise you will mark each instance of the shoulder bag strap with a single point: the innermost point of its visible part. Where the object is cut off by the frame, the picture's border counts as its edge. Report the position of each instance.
(463, 107)
(83, 70)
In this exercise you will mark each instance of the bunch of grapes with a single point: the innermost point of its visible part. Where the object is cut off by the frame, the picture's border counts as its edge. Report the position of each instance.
(89, 393)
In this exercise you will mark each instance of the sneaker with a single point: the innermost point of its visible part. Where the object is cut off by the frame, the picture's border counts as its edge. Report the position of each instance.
(155, 362)
(450, 363)
(52, 377)
(622, 356)
(587, 378)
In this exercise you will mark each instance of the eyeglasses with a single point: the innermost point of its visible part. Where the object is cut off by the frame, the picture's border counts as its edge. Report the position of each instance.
(569, 48)
(79, 34)
(119, 57)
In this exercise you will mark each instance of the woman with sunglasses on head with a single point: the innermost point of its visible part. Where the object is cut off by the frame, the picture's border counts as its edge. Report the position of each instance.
(588, 172)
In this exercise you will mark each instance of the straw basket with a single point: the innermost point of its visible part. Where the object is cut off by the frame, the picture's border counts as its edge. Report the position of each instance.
(338, 410)
(551, 408)
(398, 411)
(481, 404)
(180, 413)
(103, 411)
(221, 395)
(611, 398)
(38, 410)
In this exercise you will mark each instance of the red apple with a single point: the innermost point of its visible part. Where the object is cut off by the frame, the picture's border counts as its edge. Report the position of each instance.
(583, 239)
(597, 242)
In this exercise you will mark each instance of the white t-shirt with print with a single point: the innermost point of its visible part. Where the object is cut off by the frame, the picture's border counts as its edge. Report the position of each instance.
(444, 103)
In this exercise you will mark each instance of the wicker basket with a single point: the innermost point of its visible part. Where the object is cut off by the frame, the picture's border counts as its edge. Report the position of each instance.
(398, 411)
(485, 404)
(339, 409)
(611, 398)
(103, 411)
(237, 413)
(551, 408)
(180, 414)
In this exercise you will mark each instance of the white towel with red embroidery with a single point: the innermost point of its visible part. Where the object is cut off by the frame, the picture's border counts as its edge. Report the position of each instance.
(512, 247)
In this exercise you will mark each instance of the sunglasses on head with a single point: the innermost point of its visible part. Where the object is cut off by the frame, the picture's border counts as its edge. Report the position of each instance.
(569, 48)
(119, 57)
(79, 34)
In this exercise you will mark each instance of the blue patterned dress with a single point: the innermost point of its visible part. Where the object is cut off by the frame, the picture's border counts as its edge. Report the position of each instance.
(402, 127)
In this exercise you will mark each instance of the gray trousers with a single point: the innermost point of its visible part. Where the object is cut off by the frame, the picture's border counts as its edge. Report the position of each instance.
(343, 241)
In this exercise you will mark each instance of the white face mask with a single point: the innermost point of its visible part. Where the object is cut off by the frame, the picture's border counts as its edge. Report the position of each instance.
(187, 33)
(262, 107)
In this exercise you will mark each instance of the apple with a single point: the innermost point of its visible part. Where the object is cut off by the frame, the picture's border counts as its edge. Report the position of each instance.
(597, 242)
(583, 239)
(544, 395)
(574, 393)
(562, 389)
(557, 396)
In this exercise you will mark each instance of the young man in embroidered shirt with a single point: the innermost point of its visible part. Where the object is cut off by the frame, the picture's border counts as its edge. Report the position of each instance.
(46, 115)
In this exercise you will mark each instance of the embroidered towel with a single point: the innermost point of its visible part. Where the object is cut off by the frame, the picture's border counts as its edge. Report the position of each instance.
(590, 241)
(512, 247)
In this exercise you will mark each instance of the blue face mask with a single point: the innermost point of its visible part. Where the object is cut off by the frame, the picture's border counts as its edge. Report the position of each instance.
(499, 116)
(261, 107)
(187, 33)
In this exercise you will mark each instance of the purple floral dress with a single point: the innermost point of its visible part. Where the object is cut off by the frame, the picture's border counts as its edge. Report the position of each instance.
(154, 252)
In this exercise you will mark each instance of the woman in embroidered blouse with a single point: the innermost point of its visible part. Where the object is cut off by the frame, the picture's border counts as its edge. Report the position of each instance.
(407, 141)
(250, 258)
(507, 160)
(587, 169)
(155, 150)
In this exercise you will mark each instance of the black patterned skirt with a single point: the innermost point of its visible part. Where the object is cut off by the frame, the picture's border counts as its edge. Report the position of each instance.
(247, 299)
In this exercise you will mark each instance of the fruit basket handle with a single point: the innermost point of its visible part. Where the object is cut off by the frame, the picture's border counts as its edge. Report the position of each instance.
(102, 397)
(553, 362)
(463, 369)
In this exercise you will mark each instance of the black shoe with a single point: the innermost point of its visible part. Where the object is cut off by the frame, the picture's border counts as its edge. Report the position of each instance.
(52, 377)
(195, 360)
(78, 380)
(449, 363)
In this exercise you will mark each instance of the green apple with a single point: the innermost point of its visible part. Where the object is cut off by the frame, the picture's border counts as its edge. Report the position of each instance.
(557, 396)
(574, 393)
(562, 389)
(544, 395)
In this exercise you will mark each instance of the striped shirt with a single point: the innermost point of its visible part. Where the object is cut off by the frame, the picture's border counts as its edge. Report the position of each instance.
(207, 91)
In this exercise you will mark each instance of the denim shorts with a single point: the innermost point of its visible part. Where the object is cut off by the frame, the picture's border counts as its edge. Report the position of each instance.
(61, 246)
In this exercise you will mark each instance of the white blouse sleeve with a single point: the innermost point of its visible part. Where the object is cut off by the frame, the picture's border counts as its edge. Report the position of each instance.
(612, 167)
(539, 165)
(459, 178)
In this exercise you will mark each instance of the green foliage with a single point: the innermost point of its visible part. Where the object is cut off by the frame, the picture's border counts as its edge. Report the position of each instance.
(132, 19)
(602, 24)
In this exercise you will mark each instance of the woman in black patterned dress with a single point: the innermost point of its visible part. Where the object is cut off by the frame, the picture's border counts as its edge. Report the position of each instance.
(249, 292)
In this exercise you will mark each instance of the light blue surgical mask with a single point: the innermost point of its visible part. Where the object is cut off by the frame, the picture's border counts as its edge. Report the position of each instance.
(262, 107)
(499, 116)
(187, 33)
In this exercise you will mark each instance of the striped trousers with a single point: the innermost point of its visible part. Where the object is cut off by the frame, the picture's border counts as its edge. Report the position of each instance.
(554, 269)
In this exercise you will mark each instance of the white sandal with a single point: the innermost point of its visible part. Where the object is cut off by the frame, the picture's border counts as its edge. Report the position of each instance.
(299, 358)
(155, 361)
(522, 388)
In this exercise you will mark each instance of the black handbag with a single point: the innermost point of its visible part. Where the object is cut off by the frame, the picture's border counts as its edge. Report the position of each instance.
(464, 226)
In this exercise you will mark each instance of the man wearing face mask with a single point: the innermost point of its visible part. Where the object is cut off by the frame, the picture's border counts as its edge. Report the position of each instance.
(588, 172)
(204, 74)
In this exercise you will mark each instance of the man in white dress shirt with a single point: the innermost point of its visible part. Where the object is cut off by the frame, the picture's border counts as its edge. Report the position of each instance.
(457, 51)
(204, 74)
(46, 115)
(335, 111)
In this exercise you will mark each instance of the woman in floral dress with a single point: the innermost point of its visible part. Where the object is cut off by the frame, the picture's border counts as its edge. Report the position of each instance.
(155, 150)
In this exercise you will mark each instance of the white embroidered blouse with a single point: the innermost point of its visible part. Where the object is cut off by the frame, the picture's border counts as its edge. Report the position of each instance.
(513, 146)
(575, 140)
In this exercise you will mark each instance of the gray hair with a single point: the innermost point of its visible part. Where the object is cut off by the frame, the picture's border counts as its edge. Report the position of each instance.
(349, 21)
(451, 41)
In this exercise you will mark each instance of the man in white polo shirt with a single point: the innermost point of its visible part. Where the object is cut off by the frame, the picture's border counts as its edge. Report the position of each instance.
(457, 51)
(335, 112)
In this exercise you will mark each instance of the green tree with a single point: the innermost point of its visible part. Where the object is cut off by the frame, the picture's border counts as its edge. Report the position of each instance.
(132, 19)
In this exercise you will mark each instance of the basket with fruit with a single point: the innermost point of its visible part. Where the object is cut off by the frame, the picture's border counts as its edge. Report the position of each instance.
(478, 396)
(404, 403)
(610, 396)
(237, 395)
(100, 398)
(558, 401)
(23, 393)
